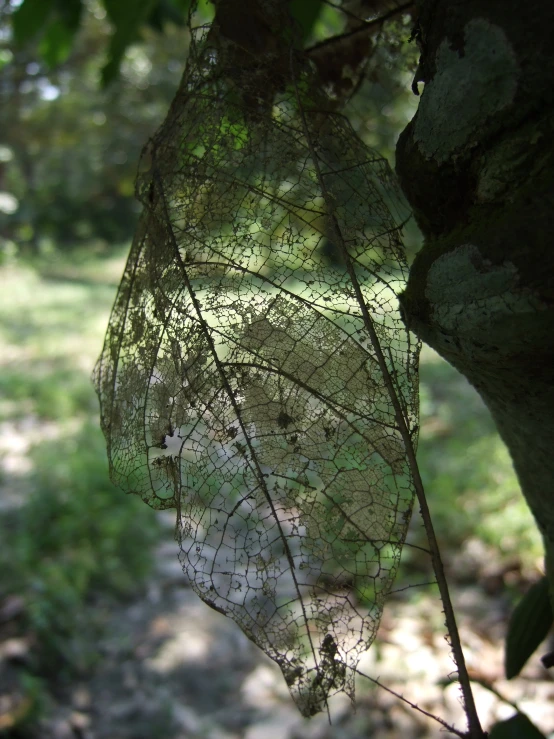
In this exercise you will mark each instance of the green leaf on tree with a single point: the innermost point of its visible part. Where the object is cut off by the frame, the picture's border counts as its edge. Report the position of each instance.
(529, 625)
(306, 13)
(70, 12)
(167, 11)
(516, 727)
(30, 18)
(127, 16)
(55, 45)
(57, 23)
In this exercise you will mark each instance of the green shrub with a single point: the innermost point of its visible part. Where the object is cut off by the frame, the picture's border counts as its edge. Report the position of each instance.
(75, 540)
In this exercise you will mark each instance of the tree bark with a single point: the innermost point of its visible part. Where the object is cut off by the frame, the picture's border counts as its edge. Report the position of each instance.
(476, 165)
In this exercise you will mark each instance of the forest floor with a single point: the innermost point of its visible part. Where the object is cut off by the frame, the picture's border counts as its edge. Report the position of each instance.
(169, 666)
(157, 662)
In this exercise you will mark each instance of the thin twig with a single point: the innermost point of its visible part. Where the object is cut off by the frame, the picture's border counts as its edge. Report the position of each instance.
(474, 725)
(439, 720)
(366, 25)
(484, 683)
(345, 11)
(413, 585)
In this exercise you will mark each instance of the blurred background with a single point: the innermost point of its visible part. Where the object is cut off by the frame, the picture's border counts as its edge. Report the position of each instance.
(100, 637)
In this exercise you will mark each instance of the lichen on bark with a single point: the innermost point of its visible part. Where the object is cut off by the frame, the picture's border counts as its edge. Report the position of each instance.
(480, 180)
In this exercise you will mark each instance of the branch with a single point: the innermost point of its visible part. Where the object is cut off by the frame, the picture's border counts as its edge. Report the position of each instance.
(364, 28)
(474, 725)
(346, 12)
(438, 719)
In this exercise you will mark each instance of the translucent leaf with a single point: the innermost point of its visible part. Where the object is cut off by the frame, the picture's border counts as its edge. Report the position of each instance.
(240, 380)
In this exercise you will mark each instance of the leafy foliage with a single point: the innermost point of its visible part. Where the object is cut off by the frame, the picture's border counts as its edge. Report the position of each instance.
(30, 18)
(71, 547)
(70, 150)
(72, 147)
(529, 625)
(240, 380)
(516, 727)
(56, 22)
(127, 24)
(306, 13)
(71, 539)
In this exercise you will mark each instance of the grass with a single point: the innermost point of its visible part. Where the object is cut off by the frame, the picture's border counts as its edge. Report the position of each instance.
(71, 540)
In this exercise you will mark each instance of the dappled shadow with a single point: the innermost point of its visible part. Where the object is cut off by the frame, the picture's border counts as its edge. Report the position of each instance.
(169, 666)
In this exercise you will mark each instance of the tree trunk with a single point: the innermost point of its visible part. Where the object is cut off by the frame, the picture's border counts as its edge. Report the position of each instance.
(476, 165)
